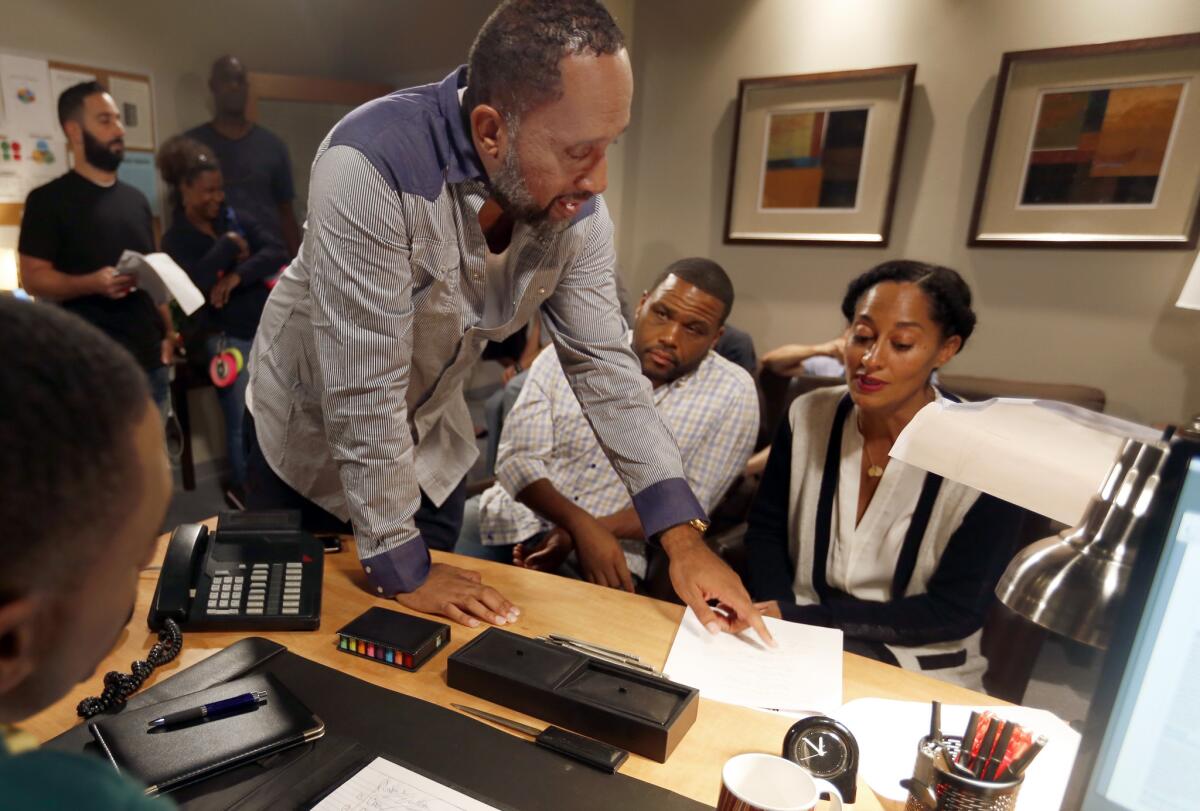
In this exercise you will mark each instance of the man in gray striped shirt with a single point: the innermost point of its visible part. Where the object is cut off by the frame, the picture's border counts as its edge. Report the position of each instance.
(442, 217)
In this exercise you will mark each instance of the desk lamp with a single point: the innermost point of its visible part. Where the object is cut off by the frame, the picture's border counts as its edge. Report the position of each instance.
(1072, 583)
(1021, 451)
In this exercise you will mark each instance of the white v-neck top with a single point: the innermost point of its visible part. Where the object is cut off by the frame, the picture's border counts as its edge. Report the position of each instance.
(862, 559)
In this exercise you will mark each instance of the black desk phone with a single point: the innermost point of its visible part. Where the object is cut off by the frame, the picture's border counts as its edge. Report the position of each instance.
(256, 571)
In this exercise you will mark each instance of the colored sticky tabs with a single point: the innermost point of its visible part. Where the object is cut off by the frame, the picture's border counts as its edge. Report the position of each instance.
(388, 656)
(407, 660)
(370, 650)
(342, 643)
(362, 647)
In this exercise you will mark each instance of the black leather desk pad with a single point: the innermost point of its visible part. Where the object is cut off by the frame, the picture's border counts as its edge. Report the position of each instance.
(364, 721)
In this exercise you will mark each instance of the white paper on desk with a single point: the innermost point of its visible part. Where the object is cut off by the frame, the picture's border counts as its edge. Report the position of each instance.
(803, 673)
(162, 279)
(1045, 456)
(385, 786)
(888, 731)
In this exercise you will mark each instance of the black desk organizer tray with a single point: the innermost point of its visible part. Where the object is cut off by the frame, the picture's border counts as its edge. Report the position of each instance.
(637, 711)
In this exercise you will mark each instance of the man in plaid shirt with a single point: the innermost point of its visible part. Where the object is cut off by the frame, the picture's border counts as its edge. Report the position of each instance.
(556, 491)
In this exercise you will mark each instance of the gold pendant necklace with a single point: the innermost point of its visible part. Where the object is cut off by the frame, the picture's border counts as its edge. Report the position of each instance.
(873, 470)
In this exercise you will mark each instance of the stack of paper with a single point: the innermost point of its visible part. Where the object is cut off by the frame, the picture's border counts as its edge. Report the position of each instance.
(804, 674)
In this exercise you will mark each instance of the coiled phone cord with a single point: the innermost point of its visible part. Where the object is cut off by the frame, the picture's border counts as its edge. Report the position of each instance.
(118, 687)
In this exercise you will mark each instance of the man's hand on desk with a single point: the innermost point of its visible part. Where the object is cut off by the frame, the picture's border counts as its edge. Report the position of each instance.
(460, 595)
(698, 576)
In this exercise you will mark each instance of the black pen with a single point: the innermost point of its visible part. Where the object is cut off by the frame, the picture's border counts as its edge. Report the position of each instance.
(1020, 764)
(991, 769)
(212, 710)
(989, 740)
(967, 749)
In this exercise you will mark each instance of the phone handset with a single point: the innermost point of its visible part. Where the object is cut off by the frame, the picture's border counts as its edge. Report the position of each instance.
(173, 597)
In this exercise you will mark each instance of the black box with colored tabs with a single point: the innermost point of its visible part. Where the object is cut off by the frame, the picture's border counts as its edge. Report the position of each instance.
(393, 638)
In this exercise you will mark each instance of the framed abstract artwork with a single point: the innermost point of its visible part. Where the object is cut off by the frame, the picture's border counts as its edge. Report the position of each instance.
(1094, 145)
(816, 157)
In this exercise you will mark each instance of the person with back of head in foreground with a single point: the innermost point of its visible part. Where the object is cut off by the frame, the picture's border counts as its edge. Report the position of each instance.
(844, 536)
(557, 492)
(86, 485)
(441, 217)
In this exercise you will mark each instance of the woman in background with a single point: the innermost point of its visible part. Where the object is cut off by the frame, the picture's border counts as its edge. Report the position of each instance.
(230, 258)
(841, 535)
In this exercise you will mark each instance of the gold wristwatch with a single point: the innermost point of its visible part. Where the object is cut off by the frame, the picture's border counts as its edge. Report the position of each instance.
(700, 525)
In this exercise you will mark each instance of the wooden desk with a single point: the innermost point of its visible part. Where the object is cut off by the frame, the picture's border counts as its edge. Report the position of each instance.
(549, 604)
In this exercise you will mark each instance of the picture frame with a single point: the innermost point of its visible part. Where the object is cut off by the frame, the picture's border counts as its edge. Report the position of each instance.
(1092, 146)
(816, 157)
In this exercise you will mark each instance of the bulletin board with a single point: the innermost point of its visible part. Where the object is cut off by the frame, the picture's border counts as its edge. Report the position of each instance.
(33, 149)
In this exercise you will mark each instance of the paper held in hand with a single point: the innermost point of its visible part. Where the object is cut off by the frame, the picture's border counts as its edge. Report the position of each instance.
(804, 674)
(162, 279)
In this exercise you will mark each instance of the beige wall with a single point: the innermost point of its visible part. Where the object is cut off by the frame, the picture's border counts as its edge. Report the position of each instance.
(1102, 318)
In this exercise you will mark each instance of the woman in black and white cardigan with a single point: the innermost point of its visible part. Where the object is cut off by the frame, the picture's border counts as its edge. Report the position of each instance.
(903, 562)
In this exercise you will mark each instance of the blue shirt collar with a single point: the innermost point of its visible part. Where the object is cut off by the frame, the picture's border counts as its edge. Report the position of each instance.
(465, 163)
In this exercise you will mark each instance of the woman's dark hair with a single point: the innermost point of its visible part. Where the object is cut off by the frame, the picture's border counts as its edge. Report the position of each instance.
(949, 296)
(181, 160)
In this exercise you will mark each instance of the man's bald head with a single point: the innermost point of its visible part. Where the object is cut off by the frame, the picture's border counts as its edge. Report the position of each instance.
(227, 81)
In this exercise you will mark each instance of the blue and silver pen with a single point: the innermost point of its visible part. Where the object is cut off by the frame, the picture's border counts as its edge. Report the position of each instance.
(212, 710)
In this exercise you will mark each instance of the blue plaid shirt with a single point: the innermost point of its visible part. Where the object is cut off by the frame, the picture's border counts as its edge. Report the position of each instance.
(712, 413)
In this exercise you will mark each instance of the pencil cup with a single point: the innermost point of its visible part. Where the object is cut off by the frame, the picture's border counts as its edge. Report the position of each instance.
(759, 782)
(940, 790)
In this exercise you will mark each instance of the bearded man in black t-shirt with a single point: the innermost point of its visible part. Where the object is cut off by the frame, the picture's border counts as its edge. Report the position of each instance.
(76, 227)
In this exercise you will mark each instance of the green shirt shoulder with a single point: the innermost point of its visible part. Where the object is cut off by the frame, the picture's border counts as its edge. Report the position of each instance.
(58, 780)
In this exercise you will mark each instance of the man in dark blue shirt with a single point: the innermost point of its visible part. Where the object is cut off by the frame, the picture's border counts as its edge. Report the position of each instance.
(254, 161)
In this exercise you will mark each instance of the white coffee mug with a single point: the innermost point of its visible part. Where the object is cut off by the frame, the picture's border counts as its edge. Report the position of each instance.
(759, 782)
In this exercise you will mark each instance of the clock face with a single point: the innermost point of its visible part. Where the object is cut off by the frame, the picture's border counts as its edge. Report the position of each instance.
(822, 752)
(825, 748)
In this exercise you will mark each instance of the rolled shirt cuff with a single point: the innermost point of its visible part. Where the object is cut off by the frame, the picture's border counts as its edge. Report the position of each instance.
(667, 504)
(517, 472)
(400, 569)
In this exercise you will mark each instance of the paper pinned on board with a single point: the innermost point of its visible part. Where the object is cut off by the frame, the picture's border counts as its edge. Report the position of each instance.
(162, 279)
(1045, 456)
(803, 674)
(887, 733)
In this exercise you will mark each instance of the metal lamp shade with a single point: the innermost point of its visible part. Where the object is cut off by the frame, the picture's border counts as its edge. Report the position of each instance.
(1072, 583)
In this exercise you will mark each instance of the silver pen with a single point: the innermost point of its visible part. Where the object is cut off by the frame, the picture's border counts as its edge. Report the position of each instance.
(584, 644)
(617, 660)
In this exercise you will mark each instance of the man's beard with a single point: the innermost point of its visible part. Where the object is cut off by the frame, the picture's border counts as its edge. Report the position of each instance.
(510, 191)
(101, 155)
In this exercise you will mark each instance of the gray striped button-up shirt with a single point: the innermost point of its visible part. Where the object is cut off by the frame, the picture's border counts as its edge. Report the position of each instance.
(365, 344)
